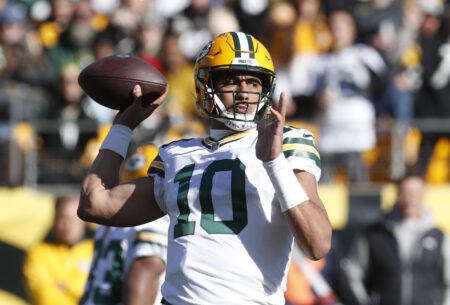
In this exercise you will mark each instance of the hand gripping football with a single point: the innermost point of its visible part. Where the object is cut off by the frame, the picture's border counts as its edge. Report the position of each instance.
(110, 80)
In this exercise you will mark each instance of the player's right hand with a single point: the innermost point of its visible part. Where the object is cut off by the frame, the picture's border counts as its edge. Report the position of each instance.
(134, 114)
(270, 132)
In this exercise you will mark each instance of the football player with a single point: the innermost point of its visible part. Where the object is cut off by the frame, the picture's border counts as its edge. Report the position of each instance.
(129, 262)
(236, 199)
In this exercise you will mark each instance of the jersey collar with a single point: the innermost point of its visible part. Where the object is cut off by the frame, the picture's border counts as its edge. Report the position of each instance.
(213, 144)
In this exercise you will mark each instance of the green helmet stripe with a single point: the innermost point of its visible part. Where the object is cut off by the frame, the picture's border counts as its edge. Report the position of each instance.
(251, 48)
(237, 44)
(240, 40)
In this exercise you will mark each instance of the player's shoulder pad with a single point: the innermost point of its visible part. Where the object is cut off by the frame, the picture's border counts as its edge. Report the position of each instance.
(180, 143)
(290, 131)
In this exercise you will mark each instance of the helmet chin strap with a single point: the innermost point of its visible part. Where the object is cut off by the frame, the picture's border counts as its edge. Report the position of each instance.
(237, 125)
(236, 121)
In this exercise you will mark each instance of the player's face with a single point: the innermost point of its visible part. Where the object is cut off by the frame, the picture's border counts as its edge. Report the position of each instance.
(239, 92)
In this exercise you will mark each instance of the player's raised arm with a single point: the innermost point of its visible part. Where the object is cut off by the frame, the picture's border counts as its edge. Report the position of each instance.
(295, 190)
(105, 201)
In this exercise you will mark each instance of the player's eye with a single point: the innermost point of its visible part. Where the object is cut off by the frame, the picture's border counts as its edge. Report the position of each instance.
(237, 81)
(254, 82)
(232, 81)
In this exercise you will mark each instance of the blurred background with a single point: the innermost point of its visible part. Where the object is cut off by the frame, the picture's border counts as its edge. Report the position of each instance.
(379, 110)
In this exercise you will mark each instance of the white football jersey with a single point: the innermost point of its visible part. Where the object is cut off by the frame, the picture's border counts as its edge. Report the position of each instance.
(229, 243)
(115, 250)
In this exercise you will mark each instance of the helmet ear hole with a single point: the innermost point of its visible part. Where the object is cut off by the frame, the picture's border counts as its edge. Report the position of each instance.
(266, 82)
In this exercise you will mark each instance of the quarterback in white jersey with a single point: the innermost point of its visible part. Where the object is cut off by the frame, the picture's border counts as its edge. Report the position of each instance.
(236, 199)
(223, 213)
(117, 249)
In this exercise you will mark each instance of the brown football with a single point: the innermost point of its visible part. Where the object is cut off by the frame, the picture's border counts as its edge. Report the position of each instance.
(110, 80)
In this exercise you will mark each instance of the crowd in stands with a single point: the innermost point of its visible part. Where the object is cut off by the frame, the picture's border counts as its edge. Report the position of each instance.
(343, 64)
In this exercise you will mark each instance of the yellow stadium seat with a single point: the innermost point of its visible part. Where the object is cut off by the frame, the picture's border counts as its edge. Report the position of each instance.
(23, 136)
(336, 200)
(438, 169)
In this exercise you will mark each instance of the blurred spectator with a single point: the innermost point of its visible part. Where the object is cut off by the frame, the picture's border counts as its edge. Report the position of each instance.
(192, 28)
(379, 22)
(297, 58)
(222, 20)
(129, 263)
(250, 13)
(62, 145)
(312, 32)
(312, 38)
(346, 117)
(59, 19)
(168, 9)
(391, 28)
(70, 98)
(129, 14)
(178, 71)
(104, 45)
(76, 40)
(27, 77)
(105, 7)
(179, 114)
(402, 259)
(149, 38)
(180, 103)
(56, 269)
(432, 99)
(279, 24)
(280, 21)
(125, 21)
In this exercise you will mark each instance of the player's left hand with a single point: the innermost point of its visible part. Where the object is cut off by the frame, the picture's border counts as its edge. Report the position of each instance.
(270, 132)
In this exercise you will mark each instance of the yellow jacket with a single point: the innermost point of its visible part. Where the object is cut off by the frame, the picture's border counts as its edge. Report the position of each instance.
(56, 273)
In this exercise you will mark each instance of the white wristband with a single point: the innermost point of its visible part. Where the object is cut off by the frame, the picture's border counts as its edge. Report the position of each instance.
(118, 139)
(289, 191)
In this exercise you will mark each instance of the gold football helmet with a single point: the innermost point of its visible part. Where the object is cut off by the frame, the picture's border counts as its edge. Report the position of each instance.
(233, 51)
(137, 164)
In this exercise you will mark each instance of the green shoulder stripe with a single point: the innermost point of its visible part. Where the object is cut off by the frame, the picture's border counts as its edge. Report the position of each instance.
(150, 237)
(303, 154)
(301, 147)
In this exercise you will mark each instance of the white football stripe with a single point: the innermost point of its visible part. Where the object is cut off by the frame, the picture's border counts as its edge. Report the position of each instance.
(244, 44)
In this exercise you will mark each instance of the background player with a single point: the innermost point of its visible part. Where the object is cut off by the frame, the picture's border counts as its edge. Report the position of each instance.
(129, 263)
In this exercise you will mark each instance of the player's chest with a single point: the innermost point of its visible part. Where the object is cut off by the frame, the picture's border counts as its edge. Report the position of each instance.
(218, 191)
(217, 171)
